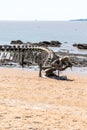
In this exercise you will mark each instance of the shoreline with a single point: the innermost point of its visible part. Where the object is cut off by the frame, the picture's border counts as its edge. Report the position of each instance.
(74, 70)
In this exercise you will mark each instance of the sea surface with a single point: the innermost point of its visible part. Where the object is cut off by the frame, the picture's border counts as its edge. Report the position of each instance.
(67, 32)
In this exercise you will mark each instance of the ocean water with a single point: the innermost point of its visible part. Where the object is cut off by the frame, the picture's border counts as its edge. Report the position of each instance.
(67, 32)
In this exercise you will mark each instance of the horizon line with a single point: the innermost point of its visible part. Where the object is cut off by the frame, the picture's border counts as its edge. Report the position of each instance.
(37, 20)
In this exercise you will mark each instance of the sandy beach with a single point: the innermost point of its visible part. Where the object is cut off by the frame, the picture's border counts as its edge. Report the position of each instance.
(28, 102)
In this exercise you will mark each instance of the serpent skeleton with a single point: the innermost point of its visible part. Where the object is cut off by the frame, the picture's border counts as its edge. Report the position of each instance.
(32, 54)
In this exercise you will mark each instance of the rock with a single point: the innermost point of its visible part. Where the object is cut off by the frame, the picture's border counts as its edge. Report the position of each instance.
(75, 45)
(44, 43)
(49, 44)
(18, 42)
(80, 46)
(55, 43)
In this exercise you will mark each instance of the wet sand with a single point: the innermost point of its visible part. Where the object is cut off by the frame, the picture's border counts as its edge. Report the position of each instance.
(28, 102)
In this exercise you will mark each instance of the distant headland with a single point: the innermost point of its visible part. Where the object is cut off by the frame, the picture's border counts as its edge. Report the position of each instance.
(78, 20)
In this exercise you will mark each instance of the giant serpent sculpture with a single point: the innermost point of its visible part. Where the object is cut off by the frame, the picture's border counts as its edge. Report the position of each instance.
(32, 54)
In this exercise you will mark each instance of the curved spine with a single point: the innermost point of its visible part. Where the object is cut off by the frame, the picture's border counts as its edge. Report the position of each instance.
(50, 53)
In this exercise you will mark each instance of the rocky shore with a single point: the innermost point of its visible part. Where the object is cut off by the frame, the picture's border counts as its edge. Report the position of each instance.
(78, 60)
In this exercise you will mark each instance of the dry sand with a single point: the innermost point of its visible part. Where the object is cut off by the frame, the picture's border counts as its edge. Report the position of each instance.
(28, 102)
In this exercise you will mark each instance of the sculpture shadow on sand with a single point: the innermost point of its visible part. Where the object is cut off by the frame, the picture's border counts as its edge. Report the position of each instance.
(63, 78)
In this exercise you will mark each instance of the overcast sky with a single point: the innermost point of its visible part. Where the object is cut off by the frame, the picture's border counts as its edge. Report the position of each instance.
(42, 9)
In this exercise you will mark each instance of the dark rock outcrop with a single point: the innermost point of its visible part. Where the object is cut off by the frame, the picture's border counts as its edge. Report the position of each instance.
(49, 44)
(43, 43)
(80, 46)
(18, 42)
